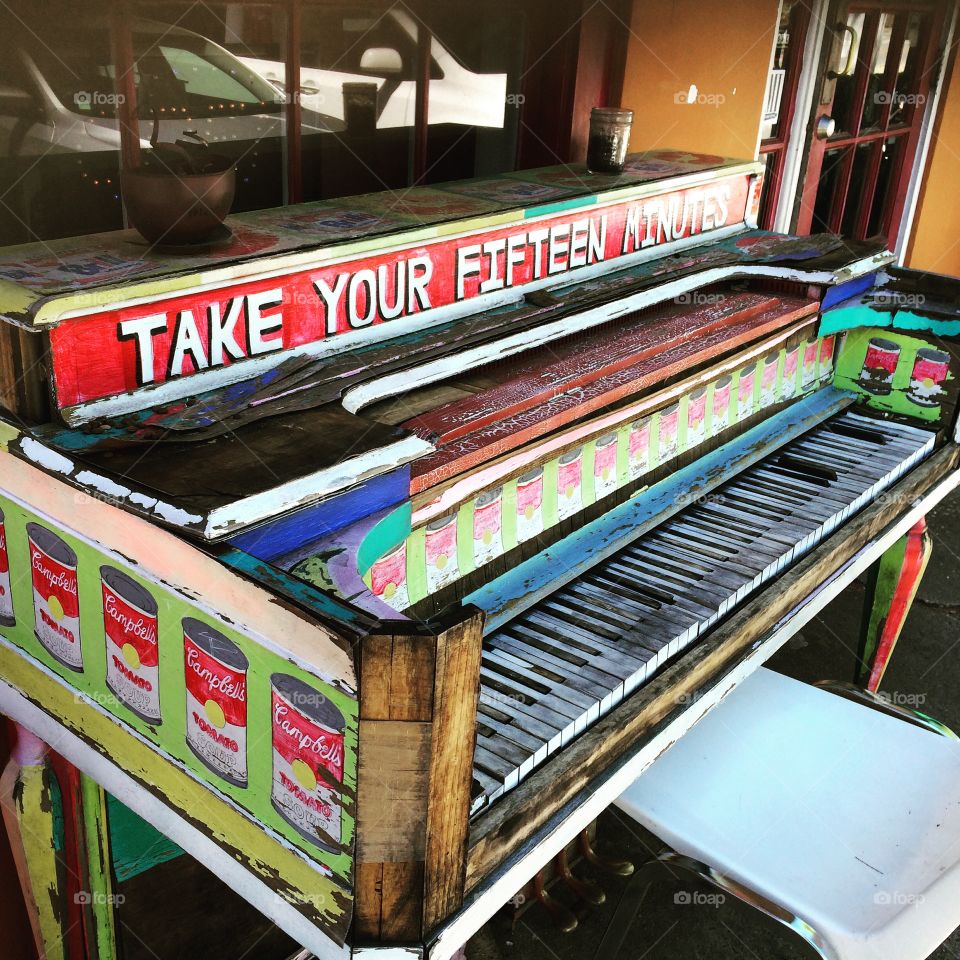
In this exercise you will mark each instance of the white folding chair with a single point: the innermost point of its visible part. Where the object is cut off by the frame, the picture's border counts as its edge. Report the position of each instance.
(838, 820)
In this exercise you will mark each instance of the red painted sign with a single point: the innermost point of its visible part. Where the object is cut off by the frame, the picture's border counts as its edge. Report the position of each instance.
(121, 350)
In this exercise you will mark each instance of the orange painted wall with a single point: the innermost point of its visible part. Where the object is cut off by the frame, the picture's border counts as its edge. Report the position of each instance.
(935, 243)
(722, 46)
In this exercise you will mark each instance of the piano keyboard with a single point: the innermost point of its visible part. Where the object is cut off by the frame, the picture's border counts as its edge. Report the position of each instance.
(566, 661)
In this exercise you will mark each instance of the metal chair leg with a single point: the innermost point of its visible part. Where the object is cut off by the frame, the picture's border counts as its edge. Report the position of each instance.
(639, 885)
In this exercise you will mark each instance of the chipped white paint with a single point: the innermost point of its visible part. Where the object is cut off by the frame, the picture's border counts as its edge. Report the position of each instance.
(104, 485)
(246, 510)
(45, 457)
(314, 486)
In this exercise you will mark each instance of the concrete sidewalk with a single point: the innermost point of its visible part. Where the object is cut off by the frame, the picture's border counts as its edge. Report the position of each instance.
(924, 674)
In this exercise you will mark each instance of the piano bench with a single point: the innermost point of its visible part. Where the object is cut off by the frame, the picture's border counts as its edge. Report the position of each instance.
(836, 819)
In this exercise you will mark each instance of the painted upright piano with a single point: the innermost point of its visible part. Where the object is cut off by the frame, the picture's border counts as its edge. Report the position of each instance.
(369, 555)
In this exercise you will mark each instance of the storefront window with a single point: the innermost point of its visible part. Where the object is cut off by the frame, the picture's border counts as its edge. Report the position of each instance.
(389, 95)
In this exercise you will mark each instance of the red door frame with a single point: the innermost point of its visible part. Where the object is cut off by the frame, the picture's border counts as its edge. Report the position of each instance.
(909, 131)
(776, 147)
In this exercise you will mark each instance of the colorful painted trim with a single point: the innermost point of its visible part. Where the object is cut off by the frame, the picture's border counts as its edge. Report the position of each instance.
(496, 520)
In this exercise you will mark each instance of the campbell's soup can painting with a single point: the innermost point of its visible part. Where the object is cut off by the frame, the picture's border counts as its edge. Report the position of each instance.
(388, 577)
(791, 361)
(669, 433)
(130, 629)
(530, 504)
(768, 380)
(748, 376)
(638, 448)
(216, 673)
(441, 549)
(930, 369)
(307, 760)
(810, 350)
(696, 417)
(569, 486)
(7, 618)
(605, 465)
(879, 366)
(56, 599)
(721, 405)
(487, 525)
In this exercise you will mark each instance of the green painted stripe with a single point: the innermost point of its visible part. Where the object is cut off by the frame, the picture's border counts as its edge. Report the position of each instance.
(571, 203)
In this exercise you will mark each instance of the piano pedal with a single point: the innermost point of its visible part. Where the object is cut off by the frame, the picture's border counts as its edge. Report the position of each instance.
(564, 919)
(618, 868)
(587, 890)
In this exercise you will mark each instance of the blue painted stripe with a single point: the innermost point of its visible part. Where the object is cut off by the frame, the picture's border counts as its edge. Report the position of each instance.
(285, 533)
(312, 598)
(519, 588)
(848, 289)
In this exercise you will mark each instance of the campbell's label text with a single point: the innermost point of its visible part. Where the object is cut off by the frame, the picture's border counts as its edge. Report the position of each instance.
(216, 713)
(307, 768)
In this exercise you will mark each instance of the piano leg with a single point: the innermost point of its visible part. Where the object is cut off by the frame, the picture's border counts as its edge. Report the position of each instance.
(891, 588)
(30, 798)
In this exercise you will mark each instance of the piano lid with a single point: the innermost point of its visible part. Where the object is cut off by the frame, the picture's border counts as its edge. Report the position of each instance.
(131, 327)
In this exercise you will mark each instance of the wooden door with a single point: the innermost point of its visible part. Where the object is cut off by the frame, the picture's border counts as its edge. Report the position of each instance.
(871, 100)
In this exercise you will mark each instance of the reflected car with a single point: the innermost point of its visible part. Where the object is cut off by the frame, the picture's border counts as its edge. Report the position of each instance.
(65, 100)
(382, 50)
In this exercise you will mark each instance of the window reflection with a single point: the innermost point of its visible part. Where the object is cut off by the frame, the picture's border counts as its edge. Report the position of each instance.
(213, 76)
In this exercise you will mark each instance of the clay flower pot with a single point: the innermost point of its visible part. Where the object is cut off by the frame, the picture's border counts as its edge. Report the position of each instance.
(171, 207)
